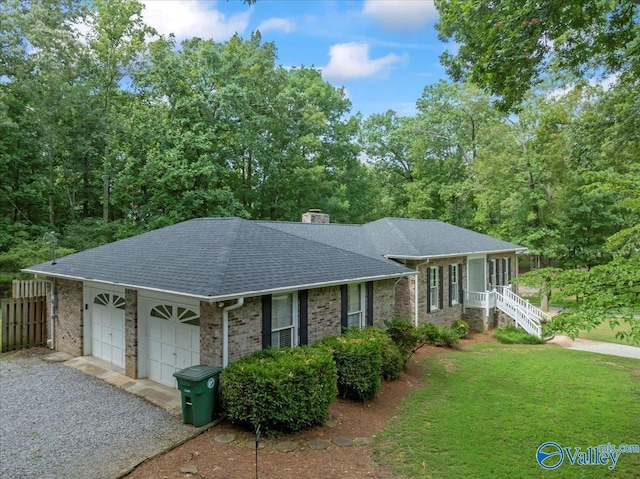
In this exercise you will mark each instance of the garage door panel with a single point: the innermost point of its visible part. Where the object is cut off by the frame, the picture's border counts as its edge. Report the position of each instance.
(168, 353)
(171, 345)
(118, 355)
(155, 350)
(107, 329)
(168, 333)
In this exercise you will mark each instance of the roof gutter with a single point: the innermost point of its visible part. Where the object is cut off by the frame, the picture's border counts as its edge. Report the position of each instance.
(470, 253)
(230, 296)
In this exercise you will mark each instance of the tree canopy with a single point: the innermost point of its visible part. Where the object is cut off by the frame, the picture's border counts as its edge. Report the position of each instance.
(510, 47)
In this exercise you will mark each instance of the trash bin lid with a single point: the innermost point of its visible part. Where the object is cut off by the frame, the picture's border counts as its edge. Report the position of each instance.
(197, 373)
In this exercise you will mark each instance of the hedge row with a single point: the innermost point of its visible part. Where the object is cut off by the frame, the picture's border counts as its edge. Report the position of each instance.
(280, 389)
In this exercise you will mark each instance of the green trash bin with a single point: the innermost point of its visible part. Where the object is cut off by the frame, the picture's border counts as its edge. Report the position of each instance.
(199, 389)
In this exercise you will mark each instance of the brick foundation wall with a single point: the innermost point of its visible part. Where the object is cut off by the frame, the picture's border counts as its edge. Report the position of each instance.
(503, 320)
(476, 318)
(405, 291)
(384, 293)
(131, 333)
(245, 329)
(211, 333)
(68, 325)
(324, 313)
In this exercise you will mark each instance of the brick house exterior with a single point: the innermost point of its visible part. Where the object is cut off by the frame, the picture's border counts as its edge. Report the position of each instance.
(224, 287)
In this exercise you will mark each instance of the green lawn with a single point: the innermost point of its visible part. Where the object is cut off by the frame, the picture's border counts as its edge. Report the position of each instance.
(485, 411)
(605, 333)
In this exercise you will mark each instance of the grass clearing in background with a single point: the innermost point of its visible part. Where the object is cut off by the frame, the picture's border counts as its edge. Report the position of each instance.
(485, 411)
(603, 332)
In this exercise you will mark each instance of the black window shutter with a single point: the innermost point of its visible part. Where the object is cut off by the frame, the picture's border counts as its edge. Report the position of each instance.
(369, 294)
(344, 305)
(303, 317)
(440, 287)
(460, 285)
(266, 321)
(497, 273)
(508, 270)
(450, 285)
(428, 289)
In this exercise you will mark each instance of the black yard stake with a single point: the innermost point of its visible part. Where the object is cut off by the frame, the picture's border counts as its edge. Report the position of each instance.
(257, 445)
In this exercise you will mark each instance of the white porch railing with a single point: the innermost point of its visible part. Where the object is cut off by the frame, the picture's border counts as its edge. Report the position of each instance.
(527, 316)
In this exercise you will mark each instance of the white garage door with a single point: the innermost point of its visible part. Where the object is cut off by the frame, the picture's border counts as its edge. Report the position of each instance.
(173, 340)
(107, 327)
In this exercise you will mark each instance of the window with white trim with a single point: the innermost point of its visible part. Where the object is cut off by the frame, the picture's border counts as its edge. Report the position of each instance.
(493, 269)
(434, 287)
(283, 321)
(355, 308)
(505, 272)
(453, 284)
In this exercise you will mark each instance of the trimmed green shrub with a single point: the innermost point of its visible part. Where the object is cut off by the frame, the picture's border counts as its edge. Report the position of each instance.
(282, 390)
(429, 333)
(448, 337)
(358, 359)
(461, 327)
(392, 360)
(512, 335)
(404, 335)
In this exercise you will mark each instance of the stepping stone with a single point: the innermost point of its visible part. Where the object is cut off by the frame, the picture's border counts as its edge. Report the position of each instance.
(342, 441)
(189, 469)
(225, 438)
(318, 444)
(362, 441)
(286, 446)
(331, 423)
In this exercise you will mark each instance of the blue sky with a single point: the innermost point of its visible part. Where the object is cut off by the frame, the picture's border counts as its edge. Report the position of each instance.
(384, 52)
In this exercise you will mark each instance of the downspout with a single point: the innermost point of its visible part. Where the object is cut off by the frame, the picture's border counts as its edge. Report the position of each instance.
(51, 342)
(225, 329)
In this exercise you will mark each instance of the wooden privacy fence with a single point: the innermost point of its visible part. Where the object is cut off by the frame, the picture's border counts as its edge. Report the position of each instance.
(23, 322)
(28, 288)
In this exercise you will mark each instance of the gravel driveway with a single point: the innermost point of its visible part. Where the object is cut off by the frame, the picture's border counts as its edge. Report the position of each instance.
(57, 422)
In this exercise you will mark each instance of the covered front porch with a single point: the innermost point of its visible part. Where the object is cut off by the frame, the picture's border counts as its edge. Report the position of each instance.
(484, 298)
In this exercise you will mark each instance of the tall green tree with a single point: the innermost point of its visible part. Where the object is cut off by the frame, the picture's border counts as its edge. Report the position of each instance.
(116, 39)
(510, 47)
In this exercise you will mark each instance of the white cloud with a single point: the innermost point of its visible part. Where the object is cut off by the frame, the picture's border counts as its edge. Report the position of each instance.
(606, 83)
(282, 24)
(399, 15)
(186, 19)
(351, 60)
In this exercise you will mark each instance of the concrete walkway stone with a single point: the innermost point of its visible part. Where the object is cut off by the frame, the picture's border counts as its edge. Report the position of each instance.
(342, 441)
(318, 444)
(286, 446)
(225, 438)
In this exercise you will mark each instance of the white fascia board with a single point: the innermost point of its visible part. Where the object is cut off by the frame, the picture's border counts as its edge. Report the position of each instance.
(243, 294)
(453, 255)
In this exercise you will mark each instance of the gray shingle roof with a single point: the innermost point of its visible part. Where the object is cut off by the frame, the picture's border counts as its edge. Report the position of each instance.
(398, 237)
(219, 257)
(403, 237)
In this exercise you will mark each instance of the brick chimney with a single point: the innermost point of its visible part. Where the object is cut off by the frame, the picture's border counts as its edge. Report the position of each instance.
(315, 216)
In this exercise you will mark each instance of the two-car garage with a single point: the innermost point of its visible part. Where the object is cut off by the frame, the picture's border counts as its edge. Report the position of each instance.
(168, 331)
